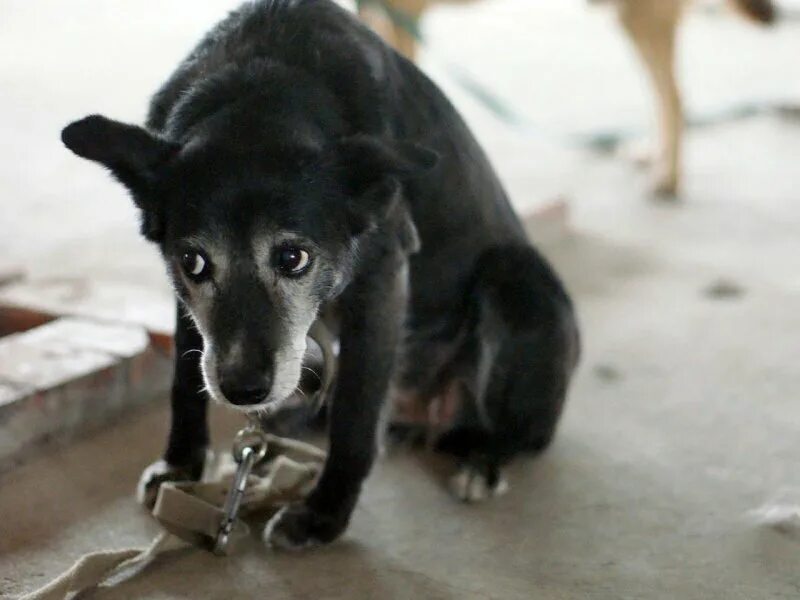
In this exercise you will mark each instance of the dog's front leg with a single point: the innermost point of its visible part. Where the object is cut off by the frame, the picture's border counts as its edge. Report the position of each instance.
(188, 435)
(373, 310)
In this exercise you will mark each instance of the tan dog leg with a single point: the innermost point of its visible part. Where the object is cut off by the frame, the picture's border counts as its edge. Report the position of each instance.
(395, 34)
(404, 41)
(652, 26)
(378, 22)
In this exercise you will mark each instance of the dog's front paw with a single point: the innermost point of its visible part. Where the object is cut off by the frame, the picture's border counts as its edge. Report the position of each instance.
(471, 484)
(665, 184)
(297, 526)
(159, 472)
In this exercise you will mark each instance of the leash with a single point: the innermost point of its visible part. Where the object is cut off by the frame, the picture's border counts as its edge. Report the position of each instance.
(208, 515)
(262, 474)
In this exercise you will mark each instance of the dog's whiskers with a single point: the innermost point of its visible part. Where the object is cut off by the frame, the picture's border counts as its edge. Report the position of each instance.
(310, 370)
(262, 412)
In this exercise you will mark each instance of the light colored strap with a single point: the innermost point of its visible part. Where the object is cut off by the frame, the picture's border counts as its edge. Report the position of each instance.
(190, 517)
(92, 569)
(191, 512)
(296, 450)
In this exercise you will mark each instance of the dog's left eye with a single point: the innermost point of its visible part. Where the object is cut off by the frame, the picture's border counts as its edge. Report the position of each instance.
(195, 265)
(291, 260)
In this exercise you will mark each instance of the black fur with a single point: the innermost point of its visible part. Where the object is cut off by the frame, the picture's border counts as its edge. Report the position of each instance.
(291, 113)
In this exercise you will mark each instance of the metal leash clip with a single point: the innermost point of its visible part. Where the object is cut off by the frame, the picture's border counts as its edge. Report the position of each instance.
(249, 448)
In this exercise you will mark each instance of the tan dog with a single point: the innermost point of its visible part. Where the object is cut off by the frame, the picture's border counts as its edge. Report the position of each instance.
(395, 33)
(651, 25)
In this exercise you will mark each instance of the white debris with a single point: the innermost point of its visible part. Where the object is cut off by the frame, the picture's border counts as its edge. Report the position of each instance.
(782, 513)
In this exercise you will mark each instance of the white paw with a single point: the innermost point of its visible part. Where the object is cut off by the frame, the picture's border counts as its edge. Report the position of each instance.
(150, 479)
(470, 485)
(665, 184)
(276, 539)
(156, 474)
(285, 531)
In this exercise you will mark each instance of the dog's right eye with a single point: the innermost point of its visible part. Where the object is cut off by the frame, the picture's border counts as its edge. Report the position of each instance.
(195, 265)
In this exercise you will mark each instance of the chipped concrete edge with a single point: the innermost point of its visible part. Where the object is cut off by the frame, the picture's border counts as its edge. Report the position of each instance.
(71, 376)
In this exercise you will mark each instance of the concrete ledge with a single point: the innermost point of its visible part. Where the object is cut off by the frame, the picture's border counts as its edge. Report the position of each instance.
(71, 375)
(15, 319)
(154, 310)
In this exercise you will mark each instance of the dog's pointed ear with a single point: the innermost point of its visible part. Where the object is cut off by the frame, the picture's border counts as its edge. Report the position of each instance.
(131, 153)
(373, 171)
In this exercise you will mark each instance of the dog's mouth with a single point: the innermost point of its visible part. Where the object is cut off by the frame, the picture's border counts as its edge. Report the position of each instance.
(305, 394)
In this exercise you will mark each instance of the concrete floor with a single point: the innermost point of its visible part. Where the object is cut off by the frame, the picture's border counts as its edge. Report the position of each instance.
(684, 415)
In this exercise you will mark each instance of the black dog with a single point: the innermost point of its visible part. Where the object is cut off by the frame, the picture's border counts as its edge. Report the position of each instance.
(289, 169)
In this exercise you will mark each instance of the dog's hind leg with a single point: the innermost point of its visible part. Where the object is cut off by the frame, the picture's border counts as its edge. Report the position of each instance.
(404, 38)
(523, 349)
(373, 15)
(652, 27)
(395, 23)
(185, 455)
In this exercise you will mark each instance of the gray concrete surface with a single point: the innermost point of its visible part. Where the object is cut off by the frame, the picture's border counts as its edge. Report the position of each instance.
(684, 415)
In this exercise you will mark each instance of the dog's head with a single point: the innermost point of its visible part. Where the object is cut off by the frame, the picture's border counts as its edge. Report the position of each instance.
(254, 240)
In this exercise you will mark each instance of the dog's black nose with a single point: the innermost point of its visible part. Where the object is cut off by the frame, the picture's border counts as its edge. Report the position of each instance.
(243, 393)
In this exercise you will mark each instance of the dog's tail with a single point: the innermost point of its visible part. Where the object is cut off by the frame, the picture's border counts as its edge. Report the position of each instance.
(761, 11)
